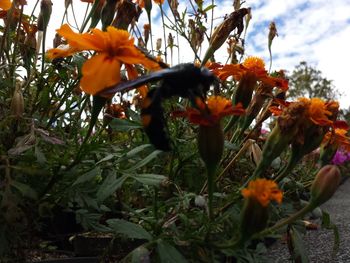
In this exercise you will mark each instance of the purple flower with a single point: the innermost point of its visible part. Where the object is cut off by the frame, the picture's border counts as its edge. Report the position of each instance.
(340, 157)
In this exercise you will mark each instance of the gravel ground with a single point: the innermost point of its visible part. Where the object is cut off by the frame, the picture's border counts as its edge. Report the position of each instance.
(319, 243)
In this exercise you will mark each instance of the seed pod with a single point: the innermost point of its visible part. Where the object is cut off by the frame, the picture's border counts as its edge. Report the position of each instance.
(325, 184)
(158, 44)
(45, 14)
(17, 103)
(211, 144)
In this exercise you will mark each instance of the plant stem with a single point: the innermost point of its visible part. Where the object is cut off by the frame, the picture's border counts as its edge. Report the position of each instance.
(288, 220)
(211, 171)
(164, 34)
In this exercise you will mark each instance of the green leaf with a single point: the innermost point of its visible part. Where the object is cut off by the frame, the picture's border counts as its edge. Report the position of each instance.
(109, 186)
(25, 189)
(326, 223)
(144, 161)
(136, 150)
(123, 125)
(88, 176)
(79, 60)
(139, 255)
(149, 179)
(210, 7)
(129, 229)
(169, 254)
(97, 105)
(107, 158)
(39, 155)
(299, 253)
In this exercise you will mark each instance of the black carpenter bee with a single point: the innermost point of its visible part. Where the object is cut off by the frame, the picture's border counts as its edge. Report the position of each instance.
(183, 80)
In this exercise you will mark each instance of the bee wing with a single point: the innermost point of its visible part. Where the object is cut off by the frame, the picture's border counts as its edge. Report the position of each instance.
(133, 84)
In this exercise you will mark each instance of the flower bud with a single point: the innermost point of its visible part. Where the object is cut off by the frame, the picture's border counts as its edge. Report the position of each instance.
(158, 44)
(255, 212)
(146, 32)
(44, 15)
(17, 103)
(254, 218)
(211, 144)
(107, 13)
(148, 6)
(272, 33)
(67, 3)
(325, 184)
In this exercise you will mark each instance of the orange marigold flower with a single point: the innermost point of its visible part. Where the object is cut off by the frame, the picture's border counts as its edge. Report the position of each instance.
(113, 48)
(263, 191)
(210, 112)
(5, 4)
(338, 137)
(317, 111)
(254, 68)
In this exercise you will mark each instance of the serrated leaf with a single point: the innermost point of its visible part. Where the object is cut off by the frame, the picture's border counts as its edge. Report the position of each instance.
(169, 254)
(109, 186)
(149, 179)
(129, 229)
(88, 176)
(144, 161)
(123, 125)
(25, 189)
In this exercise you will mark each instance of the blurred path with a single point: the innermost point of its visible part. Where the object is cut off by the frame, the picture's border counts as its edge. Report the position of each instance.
(319, 243)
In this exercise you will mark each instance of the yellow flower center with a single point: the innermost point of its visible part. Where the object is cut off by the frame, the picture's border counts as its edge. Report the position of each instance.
(254, 63)
(218, 105)
(317, 109)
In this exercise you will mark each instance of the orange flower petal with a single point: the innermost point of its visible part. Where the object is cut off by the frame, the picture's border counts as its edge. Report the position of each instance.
(5, 4)
(86, 41)
(99, 72)
(61, 51)
(264, 191)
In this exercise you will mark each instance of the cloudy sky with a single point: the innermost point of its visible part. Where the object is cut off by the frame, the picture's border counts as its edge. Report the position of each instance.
(315, 31)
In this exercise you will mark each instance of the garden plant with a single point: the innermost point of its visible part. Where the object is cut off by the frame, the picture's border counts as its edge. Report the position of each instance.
(177, 147)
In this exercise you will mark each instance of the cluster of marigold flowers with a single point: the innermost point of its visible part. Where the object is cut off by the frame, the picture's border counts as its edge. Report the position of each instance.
(115, 50)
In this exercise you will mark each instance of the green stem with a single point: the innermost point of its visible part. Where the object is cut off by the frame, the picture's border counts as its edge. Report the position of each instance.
(292, 162)
(165, 44)
(211, 172)
(150, 30)
(288, 220)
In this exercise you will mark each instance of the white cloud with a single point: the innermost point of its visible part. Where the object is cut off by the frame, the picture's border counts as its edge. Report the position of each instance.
(316, 31)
